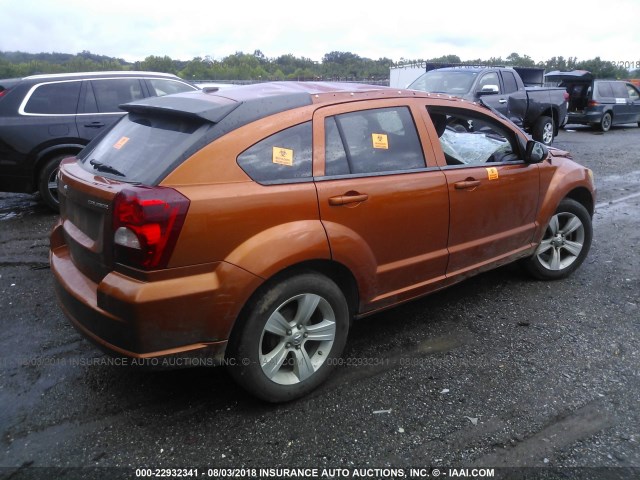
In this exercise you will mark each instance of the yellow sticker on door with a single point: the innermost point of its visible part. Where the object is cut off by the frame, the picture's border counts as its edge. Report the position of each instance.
(380, 140)
(283, 156)
(492, 173)
(120, 143)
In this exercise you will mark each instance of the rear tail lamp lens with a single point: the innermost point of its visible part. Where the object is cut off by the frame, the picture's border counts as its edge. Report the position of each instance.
(146, 225)
(592, 103)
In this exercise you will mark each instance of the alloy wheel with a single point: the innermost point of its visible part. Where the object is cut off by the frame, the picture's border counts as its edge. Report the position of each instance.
(562, 243)
(297, 338)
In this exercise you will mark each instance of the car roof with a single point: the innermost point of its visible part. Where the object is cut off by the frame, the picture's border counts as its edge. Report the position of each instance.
(460, 69)
(263, 99)
(100, 74)
(469, 68)
(231, 108)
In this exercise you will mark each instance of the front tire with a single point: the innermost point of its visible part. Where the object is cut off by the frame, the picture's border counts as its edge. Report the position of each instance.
(543, 130)
(565, 244)
(290, 339)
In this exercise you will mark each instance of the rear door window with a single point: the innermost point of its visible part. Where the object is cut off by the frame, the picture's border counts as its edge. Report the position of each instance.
(604, 90)
(59, 98)
(372, 141)
(284, 157)
(108, 94)
(510, 84)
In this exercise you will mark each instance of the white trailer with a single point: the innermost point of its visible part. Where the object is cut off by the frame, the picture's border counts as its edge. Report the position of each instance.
(402, 75)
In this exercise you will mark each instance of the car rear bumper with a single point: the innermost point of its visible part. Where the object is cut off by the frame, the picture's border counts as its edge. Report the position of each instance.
(173, 317)
(585, 118)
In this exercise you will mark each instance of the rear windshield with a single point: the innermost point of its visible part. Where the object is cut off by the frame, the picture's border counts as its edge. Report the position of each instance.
(144, 148)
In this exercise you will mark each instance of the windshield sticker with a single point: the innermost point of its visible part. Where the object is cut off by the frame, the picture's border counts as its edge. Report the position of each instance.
(380, 140)
(492, 173)
(283, 156)
(120, 143)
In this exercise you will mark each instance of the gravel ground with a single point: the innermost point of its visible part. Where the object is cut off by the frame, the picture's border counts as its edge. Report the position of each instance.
(498, 371)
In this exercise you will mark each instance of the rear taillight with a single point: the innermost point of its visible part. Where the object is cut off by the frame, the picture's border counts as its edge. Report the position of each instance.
(592, 103)
(3, 92)
(566, 96)
(146, 225)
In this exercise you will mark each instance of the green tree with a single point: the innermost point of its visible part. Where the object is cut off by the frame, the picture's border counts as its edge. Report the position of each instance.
(515, 60)
(602, 68)
(158, 64)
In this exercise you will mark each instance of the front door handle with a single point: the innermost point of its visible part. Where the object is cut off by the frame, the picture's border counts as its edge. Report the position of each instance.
(349, 197)
(467, 184)
(502, 100)
(94, 125)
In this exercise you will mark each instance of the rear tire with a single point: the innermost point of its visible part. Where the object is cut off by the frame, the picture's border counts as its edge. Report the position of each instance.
(543, 130)
(565, 244)
(605, 122)
(290, 339)
(47, 182)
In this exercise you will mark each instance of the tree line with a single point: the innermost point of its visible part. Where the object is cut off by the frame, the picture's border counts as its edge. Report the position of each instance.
(343, 66)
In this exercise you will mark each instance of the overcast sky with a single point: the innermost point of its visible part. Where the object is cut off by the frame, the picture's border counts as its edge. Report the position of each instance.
(135, 29)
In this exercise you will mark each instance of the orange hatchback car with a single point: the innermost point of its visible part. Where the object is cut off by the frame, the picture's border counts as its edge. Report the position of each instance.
(249, 226)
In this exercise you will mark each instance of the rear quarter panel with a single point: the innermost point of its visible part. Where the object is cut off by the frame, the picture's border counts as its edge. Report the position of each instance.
(260, 228)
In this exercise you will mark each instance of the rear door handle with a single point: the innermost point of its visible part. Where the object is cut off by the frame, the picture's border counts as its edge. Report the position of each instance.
(502, 100)
(467, 184)
(347, 198)
(94, 125)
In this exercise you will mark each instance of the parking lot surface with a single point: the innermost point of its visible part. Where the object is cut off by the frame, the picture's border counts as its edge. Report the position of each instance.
(498, 371)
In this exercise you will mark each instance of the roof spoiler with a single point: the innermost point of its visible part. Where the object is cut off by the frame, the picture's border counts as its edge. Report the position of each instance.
(181, 106)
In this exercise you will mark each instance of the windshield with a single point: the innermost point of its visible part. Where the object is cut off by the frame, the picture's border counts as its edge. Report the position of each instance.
(457, 82)
(143, 148)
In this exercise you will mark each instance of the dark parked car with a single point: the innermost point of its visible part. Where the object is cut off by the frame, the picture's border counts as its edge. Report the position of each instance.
(599, 103)
(44, 118)
(250, 226)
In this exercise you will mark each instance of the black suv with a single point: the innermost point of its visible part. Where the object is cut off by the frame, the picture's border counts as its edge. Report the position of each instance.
(44, 118)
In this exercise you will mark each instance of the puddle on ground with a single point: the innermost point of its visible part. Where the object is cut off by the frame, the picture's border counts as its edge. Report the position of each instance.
(17, 205)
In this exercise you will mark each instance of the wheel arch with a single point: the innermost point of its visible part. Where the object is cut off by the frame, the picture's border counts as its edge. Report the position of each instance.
(575, 189)
(333, 270)
(44, 155)
(584, 197)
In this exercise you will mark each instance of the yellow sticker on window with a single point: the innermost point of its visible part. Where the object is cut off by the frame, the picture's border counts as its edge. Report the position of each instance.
(380, 140)
(492, 173)
(283, 156)
(120, 143)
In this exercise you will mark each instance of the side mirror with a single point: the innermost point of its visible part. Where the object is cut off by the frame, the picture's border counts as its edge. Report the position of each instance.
(535, 152)
(489, 90)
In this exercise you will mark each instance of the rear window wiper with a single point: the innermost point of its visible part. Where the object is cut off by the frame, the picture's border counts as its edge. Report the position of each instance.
(101, 167)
